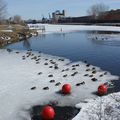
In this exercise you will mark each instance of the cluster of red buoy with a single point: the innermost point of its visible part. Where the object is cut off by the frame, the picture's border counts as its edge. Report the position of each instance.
(48, 112)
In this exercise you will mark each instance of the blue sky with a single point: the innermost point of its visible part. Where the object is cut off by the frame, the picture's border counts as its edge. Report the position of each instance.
(34, 9)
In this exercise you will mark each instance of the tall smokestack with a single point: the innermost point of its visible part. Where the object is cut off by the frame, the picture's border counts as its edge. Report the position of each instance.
(64, 13)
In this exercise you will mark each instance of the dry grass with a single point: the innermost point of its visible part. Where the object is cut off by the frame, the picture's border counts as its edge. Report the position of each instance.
(15, 35)
(3, 27)
(14, 27)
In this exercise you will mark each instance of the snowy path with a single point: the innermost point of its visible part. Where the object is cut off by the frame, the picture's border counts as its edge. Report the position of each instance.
(22, 70)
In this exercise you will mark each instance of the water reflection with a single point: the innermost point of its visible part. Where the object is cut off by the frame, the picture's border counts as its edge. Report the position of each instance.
(103, 32)
(42, 36)
(61, 34)
(26, 44)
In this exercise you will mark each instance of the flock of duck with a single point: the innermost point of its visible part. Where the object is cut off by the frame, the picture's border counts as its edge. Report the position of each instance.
(54, 65)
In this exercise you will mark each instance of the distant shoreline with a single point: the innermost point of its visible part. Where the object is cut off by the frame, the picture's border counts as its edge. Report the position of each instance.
(64, 28)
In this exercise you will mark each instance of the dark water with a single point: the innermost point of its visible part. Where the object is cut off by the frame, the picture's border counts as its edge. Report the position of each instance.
(61, 113)
(77, 46)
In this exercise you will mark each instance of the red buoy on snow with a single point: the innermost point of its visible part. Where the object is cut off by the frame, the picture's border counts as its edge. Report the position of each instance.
(48, 113)
(66, 89)
(102, 89)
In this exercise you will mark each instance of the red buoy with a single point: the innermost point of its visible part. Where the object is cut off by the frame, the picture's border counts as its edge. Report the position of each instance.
(48, 113)
(66, 89)
(102, 89)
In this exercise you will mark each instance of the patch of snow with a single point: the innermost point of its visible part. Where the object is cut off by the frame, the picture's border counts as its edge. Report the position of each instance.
(101, 108)
(6, 30)
(51, 28)
(5, 38)
(21, 70)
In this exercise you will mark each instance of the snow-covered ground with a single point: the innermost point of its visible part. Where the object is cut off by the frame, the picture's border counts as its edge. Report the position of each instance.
(33, 78)
(6, 30)
(101, 108)
(5, 38)
(51, 28)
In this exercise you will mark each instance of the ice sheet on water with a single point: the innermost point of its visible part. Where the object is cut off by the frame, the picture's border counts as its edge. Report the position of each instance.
(32, 78)
(106, 39)
(52, 28)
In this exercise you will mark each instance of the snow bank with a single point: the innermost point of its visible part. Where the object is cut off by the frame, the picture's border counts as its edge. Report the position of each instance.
(51, 28)
(6, 30)
(32, 78)
(5, 38)
(101, 108)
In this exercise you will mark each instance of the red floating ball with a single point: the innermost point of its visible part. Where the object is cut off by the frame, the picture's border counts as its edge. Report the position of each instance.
(102, 89)
(66, 89)
(48, 113)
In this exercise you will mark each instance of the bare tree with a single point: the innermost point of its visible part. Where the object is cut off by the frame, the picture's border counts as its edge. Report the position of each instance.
(17, 19)
(97, 10)
(2, 9)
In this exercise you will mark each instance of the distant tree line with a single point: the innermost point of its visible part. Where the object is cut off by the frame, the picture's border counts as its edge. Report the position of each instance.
(17, 19)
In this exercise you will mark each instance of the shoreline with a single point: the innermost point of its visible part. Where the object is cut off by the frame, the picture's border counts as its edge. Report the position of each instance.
(15, 34)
